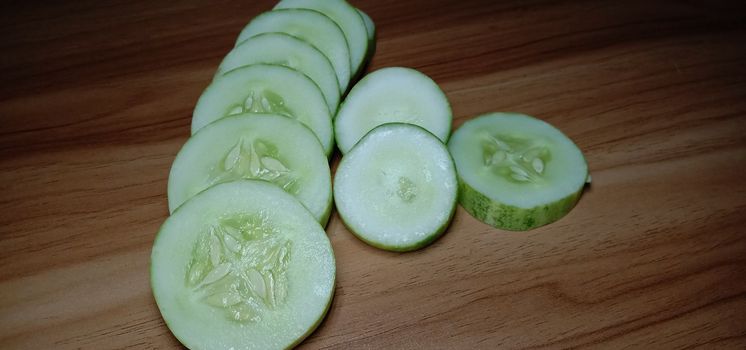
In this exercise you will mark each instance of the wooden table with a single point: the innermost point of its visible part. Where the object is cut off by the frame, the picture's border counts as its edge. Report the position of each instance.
(96, 99)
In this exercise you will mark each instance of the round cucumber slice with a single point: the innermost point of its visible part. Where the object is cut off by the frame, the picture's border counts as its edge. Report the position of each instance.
(289, 51)
(311, 26)
(254, 146)
(516, 172)
(266, 88)
(370, 29)
(392, 95)
(397, 188)
(242, 265)
(346, 17)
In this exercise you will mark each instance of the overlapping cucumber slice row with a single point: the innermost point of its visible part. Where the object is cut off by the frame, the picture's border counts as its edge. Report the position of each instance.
(243, 261)
(396, 186)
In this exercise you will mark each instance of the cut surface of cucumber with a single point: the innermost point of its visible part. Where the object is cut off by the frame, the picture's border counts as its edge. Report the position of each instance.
(397, 188)
(516, 172)
(346, 17)
(311, 26)
(289, 51)
(265, 88)
(254, 146)
(242, 265)
(392, 95)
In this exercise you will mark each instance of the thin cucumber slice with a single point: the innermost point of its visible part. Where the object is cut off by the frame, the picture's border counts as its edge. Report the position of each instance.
(254, 146)
(392, 95)
(289, 51)
(313, 27)
(397, 188)
(264, 88)
(516, 172)
(370, 30)
(346, 17)
(242, 265)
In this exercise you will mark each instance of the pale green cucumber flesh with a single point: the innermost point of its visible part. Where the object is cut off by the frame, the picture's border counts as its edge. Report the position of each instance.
(311, 26)
(392, 95)
(242, 265)
(268, 147)
(516, 172)
(348, 19)
(286, 50)
(266, 88)
(397, 188)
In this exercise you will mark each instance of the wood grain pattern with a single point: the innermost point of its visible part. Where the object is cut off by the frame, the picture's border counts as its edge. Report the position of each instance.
(96, 98)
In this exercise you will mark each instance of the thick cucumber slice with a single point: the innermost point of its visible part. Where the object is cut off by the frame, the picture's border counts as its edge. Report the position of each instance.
(397, 188)
(346, 17)
(242, 266)
(254, 146)
(392, 95)
(516, 172)
(264, 88)
(311, 26)
(289, 51)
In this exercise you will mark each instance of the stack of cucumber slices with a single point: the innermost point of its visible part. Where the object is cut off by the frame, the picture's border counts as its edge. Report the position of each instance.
(243, 261)
(396, 186)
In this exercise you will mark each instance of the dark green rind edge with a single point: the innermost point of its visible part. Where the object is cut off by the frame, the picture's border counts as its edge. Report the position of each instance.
(510, 217)
(426, 240)
(300, 338)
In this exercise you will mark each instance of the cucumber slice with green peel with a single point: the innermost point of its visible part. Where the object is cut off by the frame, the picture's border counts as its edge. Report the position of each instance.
(289, 51)
(242, 265)
(254, 146)
(390, 95)
(311, 26)
(397, 188)
(516, 172)
(264, 88)
(370, 29)
(346, 17)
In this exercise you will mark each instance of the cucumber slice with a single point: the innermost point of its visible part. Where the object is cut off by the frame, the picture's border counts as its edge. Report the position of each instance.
(264, 88)
(370, 30)
(311, 26)
(370, 27)
(346, 17)
(516, 172)
(242, 266)
(258, 146)
(397, 188)
(289, 51)
(392, 95)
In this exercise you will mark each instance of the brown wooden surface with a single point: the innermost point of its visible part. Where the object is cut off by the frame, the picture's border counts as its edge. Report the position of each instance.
(96, 99)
